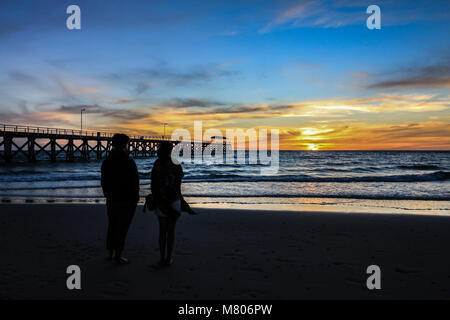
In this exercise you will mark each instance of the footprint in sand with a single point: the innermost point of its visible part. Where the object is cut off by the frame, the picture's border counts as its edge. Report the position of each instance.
(115, 289)
(252, 269)
(286, 260)
(340, 263)
(184, 253)
(354, 281)
(406, 270)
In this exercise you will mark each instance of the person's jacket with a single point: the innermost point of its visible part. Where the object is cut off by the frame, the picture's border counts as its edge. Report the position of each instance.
(166, 181)
(120, 178)
(166, 187)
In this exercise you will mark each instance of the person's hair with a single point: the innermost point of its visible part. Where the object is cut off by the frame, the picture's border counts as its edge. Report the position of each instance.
(165, 149)
(120, 140)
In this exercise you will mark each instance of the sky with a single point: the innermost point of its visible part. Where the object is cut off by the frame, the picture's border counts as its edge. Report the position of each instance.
(311, 69)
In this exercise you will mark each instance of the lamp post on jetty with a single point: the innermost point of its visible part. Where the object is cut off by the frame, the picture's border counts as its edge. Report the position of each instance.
(81, 118)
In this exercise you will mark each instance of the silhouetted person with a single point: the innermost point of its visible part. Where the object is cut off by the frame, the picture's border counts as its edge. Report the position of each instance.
(120, 184)
(166, 190)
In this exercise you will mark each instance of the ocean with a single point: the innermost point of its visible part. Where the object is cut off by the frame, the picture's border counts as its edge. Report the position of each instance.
(351, 181)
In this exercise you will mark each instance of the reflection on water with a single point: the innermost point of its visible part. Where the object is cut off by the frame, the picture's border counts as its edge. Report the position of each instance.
(336, 205)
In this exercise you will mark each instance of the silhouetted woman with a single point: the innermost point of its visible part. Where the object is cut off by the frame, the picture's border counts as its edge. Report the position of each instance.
(166, 190)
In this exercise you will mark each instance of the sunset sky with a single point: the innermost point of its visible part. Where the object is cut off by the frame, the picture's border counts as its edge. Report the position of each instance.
(311, 69)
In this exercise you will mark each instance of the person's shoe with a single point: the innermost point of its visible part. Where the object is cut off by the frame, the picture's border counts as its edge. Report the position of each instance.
(110, 256)
(168, 262)
(159, 265)
(121, 261)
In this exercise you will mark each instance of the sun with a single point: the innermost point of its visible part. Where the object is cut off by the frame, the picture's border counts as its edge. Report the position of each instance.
(313, 147)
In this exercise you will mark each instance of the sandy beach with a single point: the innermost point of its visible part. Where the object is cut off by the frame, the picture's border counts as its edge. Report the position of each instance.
(225, 254)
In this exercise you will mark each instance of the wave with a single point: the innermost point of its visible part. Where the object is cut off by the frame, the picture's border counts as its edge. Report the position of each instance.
(230, 177)
(242, 196)
(419, 167)
(348, 170)
(337, 196)
(45, 176)
(435, 176)
(50, 178)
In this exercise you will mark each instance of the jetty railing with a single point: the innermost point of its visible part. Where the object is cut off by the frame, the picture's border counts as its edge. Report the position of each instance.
(60, 131)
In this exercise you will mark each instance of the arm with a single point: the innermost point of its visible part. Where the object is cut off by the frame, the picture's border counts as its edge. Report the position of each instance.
(105, 180)
(134, 180)
(153, 178)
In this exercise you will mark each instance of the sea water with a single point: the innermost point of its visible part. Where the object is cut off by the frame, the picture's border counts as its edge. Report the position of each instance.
(362, 181)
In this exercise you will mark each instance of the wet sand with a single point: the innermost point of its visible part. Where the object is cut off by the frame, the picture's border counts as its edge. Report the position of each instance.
(225, 254)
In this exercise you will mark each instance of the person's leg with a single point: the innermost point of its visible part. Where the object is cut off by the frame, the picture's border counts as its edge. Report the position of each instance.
(163, 222)
(112, 221)
(170, 239)
(124, 221)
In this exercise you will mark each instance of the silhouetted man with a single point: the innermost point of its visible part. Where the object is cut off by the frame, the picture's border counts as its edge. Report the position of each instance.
(120, 184)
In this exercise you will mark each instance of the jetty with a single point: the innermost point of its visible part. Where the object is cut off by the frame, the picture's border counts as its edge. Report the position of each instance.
(20, 143)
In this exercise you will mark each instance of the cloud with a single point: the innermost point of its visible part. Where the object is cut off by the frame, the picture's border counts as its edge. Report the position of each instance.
(104, 112)
(71, 90)
(431, 76)
(376, 104)
(291, 14)
(76, 109)
(25, 116)
(181, 111)
(147, 78)
(315, 13)
(141, 87)
(191, 103)
(50, 85)
(27, 81)
(124, 100)
(228, 33)
(23, 77)
(240, 111)
(414, 82)
(340, 13)
(68, 116)
(342, 133)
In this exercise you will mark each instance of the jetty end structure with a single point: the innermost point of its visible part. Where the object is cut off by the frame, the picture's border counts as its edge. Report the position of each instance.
(29, 144)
